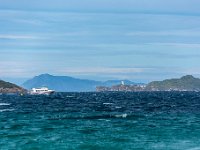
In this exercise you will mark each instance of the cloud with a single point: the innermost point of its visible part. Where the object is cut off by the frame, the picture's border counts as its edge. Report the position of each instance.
(181, 45)
(180, 6)
(51, 36)
(142, 74)
(165, 33)
(102, 70)
(15, 37)
(193, 71)
(18, 68)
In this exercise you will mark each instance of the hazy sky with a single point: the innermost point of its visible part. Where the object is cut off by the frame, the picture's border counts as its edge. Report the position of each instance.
(140, 40)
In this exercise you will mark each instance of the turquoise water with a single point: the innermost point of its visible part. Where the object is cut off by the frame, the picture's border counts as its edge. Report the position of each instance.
(92, 121)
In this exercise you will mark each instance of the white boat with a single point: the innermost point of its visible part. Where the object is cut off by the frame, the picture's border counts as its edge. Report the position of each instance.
(41, 91)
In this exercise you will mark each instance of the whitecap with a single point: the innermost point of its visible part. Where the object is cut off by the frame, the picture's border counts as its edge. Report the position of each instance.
(107, 103)
(195, 148)
(121, 116)
(4, 104)
(3, 110)
(69, 96)
(104, 120)
(117, 107)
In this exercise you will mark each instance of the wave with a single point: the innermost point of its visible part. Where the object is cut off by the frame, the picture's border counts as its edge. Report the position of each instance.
(107, 103)
(121, 116)
(3, 110)
(4, 104)
(118, 107)
(69, 96)
(95, 117)
(195, 148)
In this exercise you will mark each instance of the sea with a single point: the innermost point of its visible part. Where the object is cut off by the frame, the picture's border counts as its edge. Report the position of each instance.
(101, 121)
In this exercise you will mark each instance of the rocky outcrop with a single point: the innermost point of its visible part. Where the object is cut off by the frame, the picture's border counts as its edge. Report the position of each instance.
(6, 87)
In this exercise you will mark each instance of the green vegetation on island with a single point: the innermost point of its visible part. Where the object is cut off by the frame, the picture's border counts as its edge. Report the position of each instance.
(7, 87)
(185, 83)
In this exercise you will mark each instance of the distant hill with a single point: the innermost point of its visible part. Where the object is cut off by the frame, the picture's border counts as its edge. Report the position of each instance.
(68, 84)
(186, 83)
(60, 83)
(6, 87)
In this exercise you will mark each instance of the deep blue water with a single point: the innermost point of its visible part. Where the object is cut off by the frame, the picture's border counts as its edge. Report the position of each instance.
(95, 121)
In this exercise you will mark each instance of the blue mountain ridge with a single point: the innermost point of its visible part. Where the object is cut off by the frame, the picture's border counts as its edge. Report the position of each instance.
(69, 84)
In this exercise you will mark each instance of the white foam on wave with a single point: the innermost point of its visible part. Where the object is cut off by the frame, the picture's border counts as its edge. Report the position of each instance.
(3, 110)
(4, 104)
(69, 96)
(121, 116)
(107, 103)
(195, 148)
(117, 107)
(104, 120)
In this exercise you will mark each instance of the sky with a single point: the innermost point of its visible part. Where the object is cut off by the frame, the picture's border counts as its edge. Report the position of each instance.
(139, 40)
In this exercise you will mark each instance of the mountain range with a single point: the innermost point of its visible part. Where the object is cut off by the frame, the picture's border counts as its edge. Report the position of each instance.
(69, 84)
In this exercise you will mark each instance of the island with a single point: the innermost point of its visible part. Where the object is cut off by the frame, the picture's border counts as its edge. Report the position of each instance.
(185, 83)
(7, 87)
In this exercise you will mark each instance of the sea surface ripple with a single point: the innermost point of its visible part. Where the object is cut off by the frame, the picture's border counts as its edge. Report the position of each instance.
(95, 121)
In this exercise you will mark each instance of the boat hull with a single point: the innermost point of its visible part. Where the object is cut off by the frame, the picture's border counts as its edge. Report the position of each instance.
(41, 91)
